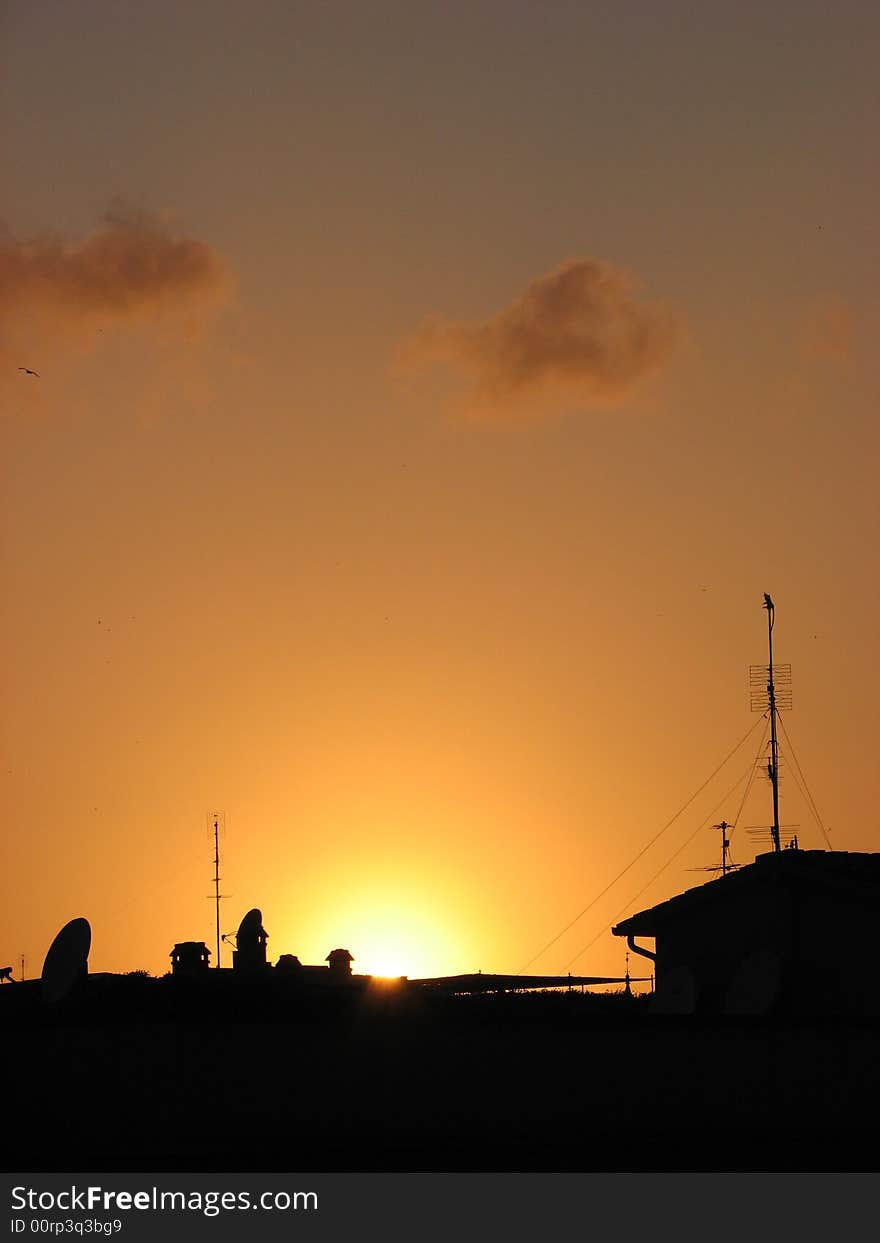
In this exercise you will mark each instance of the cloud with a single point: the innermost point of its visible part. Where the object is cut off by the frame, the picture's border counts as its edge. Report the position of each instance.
(130, 268)
(577, 333)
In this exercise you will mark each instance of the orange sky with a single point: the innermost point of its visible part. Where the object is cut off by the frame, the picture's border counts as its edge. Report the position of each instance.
(427, 396)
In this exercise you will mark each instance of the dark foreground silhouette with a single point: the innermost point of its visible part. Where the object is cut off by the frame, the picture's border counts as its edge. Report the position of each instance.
(132, 1073)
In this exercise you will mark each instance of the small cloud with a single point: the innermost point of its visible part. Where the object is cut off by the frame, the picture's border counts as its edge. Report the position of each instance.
(129, 268)
(827, 331)
(577, 333)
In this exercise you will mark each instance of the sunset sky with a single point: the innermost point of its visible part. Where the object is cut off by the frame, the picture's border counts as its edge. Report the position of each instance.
(427, 394)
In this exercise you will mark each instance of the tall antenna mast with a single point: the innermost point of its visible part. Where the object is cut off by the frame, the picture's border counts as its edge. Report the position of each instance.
(764, 680)
(217, 878)
(773, 766)
(216, 824)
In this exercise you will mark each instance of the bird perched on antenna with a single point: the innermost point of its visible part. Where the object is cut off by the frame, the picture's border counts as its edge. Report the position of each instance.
(28, 371)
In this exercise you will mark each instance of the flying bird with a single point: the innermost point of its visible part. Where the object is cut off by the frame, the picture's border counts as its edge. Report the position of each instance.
(28, 371)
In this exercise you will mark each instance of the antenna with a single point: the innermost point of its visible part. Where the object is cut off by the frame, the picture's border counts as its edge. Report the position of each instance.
(766, 697)
(725, 865)
(21, 965)
(771, 695)
(788, 839)
(217, 825)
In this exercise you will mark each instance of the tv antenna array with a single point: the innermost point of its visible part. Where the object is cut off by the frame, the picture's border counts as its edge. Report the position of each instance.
(725, 865)
(217, 829)
(770, 690)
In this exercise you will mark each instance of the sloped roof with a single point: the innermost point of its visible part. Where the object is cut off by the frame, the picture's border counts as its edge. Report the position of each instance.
(850, 873)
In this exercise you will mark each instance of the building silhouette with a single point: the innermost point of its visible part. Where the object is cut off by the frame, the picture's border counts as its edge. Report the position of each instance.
(339, 962)
(780, 935)
(190, 958)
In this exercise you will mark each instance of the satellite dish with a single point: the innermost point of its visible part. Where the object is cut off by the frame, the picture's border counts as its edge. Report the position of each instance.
(250, 928)
(250, 943)
(67, 960)
(676, 992)
(755, 984)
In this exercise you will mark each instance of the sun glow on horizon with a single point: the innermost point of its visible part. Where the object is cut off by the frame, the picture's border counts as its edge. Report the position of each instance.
(389, 937)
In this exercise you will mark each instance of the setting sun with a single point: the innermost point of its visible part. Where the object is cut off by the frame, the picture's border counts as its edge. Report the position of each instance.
(388, 936)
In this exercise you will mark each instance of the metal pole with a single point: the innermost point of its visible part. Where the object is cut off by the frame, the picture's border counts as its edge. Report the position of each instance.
(773, 767)
(724, 847)
(217, 883)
